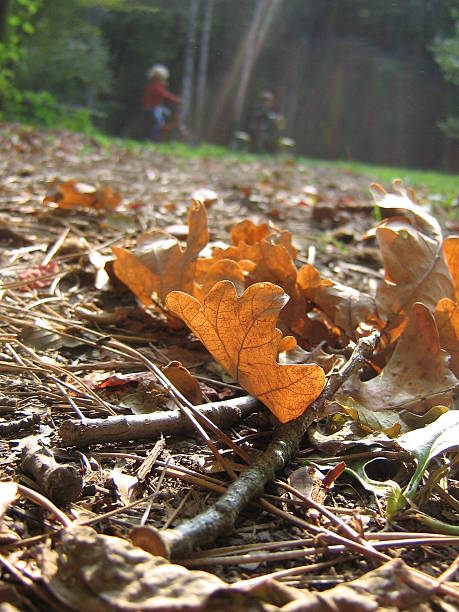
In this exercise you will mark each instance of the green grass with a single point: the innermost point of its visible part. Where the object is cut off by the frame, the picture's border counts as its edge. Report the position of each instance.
(440, 183)
(445, 185)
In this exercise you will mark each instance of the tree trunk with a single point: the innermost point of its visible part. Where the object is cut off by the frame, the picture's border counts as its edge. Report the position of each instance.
(187, 82)
(202, 70)
(261, 20)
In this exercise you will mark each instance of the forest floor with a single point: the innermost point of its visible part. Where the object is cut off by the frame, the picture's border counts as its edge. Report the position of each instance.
(77, 345)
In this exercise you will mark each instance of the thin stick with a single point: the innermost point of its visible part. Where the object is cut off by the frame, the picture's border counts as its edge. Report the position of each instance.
(220, 519)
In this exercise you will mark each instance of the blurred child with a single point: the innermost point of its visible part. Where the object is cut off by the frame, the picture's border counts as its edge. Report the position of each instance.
(154, 96)
(265, 124)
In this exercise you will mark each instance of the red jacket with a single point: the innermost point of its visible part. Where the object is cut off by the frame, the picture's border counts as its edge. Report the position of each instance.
(155, 93)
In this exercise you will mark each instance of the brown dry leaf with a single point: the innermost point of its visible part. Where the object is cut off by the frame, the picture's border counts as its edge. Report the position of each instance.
(417, 376)
(185, 382)
(99, 573)
(414, 262)
(125, 484)
(271, 260)
(159, 264)
(240, 333)
(307, 479)
(74, 193)
(451, 249)
(447, 319)
(345, 306)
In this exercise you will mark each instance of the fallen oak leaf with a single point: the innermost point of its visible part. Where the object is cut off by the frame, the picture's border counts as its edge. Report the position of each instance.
(248, 232)
(74, 193)
(222, 269)
(240, 333)
(159, 264)
(414, 261)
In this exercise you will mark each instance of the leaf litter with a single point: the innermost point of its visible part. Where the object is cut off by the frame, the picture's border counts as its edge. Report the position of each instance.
(279, 306)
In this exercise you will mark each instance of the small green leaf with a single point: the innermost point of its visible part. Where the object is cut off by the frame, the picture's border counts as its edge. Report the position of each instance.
(428, 442)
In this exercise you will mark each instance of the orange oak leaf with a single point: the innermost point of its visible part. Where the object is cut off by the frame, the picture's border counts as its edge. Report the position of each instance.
(451, 248)
(414, 261)
(447, 319)
(241, 334)
(250, 233)
(73, 193)
(271, 260)
(160, 264)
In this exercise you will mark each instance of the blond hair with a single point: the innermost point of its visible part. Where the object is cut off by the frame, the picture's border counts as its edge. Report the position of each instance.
(158, 71)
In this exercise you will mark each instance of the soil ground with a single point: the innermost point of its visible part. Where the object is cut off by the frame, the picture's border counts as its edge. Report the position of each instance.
(52, 282)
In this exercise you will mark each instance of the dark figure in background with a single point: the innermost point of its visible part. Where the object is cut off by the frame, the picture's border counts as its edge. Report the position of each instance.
(265, 125)
(154, 96)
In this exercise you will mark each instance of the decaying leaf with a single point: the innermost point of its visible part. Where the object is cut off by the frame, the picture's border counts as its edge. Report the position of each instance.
(415, 266)
(240, 333)
(159, 264)
(417, 376)
(351, 435)
(100, 573)
(307, 479)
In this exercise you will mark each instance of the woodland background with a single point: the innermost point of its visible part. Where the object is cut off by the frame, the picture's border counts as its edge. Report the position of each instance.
(369, 80)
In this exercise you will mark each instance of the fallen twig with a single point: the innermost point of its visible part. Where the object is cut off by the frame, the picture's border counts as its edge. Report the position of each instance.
(132, 427)
(220, 519)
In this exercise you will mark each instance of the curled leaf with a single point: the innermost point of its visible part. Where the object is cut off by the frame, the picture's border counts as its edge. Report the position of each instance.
(241, 334)
(414, 261)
